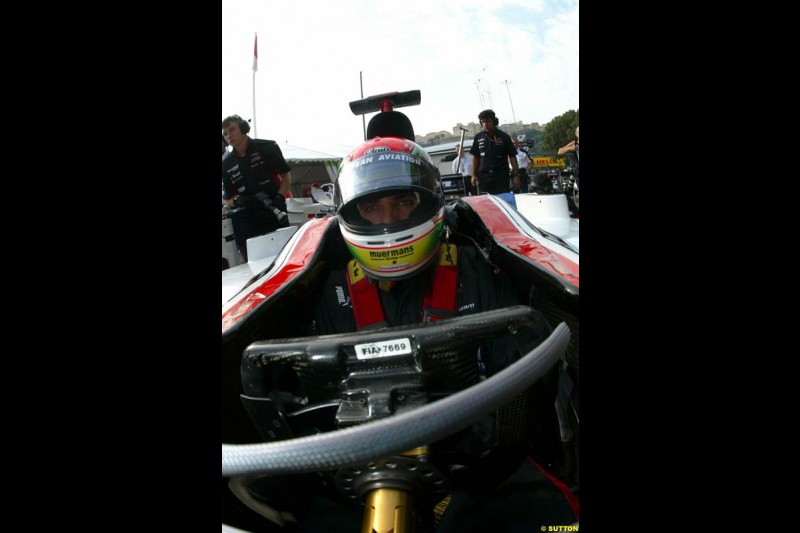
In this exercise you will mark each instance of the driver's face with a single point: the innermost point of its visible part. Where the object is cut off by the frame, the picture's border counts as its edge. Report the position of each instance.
(388, 209)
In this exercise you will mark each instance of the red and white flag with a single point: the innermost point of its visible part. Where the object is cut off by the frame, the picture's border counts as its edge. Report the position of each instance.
(255, 55)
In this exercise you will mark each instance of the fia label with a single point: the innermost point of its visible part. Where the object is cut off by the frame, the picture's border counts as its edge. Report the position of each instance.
(383, 348)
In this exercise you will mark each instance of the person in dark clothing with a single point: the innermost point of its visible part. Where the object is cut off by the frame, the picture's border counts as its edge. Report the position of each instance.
(493, 152)
(392, 217)
(255, 181)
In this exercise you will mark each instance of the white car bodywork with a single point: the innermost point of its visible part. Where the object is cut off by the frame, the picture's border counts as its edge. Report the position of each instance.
(550, 213)
(262, 251)
(542, 218)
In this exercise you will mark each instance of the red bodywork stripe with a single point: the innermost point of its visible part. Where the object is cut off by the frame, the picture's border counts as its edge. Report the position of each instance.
(504, 231)
(298, 258)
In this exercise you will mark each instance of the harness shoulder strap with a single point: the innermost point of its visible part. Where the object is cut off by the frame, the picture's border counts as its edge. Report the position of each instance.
(440, 299)
(367, 308)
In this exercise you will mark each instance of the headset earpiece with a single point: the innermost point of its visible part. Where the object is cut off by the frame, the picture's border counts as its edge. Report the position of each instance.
(244, 126)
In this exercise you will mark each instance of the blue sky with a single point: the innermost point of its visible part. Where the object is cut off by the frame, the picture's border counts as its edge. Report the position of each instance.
(459, 54)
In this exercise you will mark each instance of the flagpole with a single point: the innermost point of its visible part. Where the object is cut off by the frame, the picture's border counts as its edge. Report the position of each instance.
(255, 69)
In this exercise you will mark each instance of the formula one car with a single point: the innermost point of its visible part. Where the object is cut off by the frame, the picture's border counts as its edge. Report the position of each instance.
(374, 423)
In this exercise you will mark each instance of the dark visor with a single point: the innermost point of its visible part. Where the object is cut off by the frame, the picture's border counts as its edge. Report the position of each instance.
(386, 171)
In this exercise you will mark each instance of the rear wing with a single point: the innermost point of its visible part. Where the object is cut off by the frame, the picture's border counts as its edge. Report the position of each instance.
(388, 123)
(385, 102)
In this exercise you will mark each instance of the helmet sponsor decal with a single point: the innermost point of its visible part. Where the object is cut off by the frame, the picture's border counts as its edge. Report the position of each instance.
(377, 149)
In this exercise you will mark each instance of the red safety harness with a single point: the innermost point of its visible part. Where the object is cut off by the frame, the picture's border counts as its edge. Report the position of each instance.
(439, 301)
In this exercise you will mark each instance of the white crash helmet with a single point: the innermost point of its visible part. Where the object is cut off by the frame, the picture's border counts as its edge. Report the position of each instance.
(381, 166)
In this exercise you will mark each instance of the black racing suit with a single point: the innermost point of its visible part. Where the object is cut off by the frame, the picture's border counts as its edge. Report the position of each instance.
(256, 172)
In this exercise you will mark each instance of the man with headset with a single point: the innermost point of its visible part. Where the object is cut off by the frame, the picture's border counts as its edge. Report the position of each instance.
(256, 179)
(492, 152)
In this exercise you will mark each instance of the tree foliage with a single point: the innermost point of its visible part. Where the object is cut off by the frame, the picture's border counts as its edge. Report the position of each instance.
(560, 131)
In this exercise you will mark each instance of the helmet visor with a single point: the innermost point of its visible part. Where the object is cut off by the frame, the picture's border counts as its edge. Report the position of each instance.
(385, 171)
